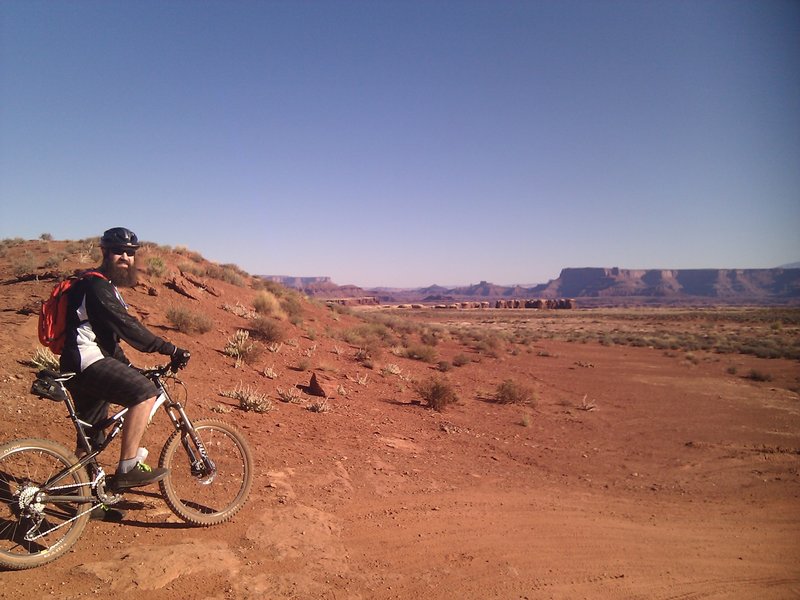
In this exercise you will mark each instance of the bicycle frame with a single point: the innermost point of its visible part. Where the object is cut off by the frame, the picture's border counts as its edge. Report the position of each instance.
(201, 466)
(43, 519)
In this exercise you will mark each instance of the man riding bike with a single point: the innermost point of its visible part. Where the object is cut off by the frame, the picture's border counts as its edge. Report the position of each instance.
(97, 319)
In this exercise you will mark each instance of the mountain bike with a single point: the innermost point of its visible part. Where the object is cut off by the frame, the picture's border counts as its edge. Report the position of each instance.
(47, 493)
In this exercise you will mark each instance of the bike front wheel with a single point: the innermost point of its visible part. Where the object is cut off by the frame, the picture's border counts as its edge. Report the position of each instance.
(33, 530)
(202, 498)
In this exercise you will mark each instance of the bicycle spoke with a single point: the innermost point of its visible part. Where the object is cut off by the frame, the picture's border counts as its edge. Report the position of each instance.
(208, 498)
(33, 531)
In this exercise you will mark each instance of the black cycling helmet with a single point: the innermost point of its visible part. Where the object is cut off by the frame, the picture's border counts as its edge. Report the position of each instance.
(119, 237)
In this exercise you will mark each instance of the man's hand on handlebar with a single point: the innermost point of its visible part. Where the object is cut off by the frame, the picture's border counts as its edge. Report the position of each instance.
(180, 358)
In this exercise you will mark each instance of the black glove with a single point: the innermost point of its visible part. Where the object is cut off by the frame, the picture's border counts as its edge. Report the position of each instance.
(180, 358)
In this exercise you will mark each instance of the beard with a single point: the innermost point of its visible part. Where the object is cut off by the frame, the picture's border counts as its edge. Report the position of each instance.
(125, 277)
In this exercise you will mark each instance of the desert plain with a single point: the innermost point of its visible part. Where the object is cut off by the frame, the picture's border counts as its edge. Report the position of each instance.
(652, 453)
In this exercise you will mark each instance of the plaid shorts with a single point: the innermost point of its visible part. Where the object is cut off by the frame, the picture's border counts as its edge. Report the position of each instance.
(108, 381)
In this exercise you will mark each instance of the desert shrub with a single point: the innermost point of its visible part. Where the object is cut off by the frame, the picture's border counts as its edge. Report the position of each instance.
(369, 349)
(429, 337)
(156, 266)
(488, 345)
(397, 324)
(421, 352)
(391, 369)
(265, 303)
(273, 287)
(757, 375)
(444, 365)
(292, 305)
(437, 392)
(365, 333)
(46, 237)
(267, 329)
(54, 260)
(190, 254)
(250, 400)
(511, 392)
(192, 269)
(319, 406)
(290, 395)
(460, 360)
(340, 309)
(240, 347)
(226, 274)
(187, 321)
(692, 358)
(44, 358)
(23, 265)
(236, 269)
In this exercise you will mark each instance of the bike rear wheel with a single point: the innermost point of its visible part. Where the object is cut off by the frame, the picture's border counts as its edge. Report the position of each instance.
(199, 498)
(52, 527)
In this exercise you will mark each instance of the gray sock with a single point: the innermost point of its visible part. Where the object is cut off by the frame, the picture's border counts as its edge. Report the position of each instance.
(127, 465)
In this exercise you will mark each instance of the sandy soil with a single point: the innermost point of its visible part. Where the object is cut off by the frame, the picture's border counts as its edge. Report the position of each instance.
(682, 482)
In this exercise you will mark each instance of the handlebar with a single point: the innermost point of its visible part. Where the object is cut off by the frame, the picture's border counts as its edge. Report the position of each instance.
(178, 361)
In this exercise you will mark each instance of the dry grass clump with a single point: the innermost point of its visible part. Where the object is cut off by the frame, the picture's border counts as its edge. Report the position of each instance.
(197, 270)
(398, 325)
(265, 303)
(460, 360)
(391, 369)
(267, 330)
(250, 400)
(421, 352)
(227, 273)
(437, 392)
(511, 392)
(187, 321)
(372, 335)
(23, 265)
(757, 375)
(44, 358)
(430, 336)
(273, 287)
(290, 395)
(293, 307)
(54, 260)
(156, 266)
(319, 406)
(241, 348)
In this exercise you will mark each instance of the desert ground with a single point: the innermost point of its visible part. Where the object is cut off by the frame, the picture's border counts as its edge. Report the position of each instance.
(654, 453)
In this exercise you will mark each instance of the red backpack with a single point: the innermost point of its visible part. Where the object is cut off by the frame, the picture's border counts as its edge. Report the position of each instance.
(53, 313)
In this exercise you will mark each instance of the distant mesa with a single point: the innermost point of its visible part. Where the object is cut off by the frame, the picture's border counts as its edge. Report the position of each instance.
(595, 286)
(323, 288)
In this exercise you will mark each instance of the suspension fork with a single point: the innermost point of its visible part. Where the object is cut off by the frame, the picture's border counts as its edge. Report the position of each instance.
(190, 440)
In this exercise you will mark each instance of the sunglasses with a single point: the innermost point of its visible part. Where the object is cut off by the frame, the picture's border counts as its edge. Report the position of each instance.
(119, 251)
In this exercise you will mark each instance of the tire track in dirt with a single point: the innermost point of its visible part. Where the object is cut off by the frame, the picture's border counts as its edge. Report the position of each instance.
(546, 544)
(299, 548)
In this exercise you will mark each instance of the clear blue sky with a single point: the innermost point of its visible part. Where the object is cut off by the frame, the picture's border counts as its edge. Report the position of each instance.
(406, 143)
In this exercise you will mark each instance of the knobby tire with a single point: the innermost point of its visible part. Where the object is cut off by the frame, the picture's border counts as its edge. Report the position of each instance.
(208, 503)
(27, 464)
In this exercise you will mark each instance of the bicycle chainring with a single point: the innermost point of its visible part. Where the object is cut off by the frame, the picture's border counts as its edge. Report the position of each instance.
(106, 497)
